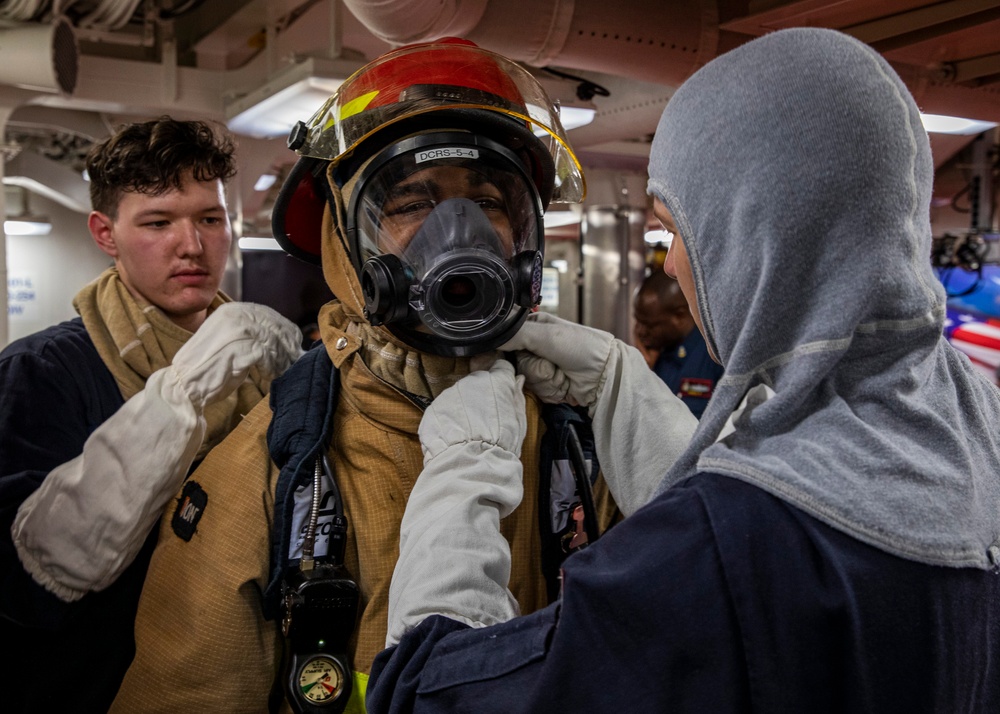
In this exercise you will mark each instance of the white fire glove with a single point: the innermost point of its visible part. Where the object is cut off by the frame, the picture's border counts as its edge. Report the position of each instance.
(452, 558)
(640, 426)
(89, 518)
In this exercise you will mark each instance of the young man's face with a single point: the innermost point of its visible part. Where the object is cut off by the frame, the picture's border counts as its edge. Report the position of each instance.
(170, 249)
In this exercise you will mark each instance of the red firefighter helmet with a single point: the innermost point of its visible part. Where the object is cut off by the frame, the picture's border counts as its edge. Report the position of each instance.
(450, 83)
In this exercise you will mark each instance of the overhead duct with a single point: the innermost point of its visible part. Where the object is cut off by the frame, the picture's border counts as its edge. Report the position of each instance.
(40, 57)
(407, 21)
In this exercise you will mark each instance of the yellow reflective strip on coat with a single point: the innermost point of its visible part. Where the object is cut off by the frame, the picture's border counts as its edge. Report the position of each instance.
(356, 704)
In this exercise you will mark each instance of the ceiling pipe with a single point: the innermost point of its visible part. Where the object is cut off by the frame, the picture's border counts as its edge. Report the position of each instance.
(402, 22)
(48, 178)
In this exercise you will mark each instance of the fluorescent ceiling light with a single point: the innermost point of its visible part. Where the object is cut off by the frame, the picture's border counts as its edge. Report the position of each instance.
(294, 94)
(942, 124)
(251, 243)
(554, 219)
(17, 227)
(276, 115)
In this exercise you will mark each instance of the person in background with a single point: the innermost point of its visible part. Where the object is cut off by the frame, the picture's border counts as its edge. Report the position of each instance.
(103, 416)
(829, 541)
(420, 188)
(310, 333)
(665, 333)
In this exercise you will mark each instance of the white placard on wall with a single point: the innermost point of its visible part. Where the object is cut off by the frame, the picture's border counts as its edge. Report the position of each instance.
(22, 296)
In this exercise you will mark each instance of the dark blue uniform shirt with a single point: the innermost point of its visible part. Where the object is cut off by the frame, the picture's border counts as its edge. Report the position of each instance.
(54, 391)
(690, 372)
(718, 597)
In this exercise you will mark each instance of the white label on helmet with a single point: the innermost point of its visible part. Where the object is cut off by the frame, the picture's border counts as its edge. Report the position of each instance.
(447, 152)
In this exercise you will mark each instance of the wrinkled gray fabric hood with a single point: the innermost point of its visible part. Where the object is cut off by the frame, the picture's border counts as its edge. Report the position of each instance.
(799, 175)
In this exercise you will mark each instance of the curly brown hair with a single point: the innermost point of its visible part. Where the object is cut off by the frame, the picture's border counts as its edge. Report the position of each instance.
(156, 156)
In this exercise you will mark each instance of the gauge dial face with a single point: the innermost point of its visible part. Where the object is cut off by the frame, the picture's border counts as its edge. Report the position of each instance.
(321, 680)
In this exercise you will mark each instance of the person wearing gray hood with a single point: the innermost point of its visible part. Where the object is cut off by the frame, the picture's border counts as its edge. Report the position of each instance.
(829, 541)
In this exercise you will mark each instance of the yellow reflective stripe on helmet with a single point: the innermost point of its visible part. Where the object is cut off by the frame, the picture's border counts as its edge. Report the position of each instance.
(356, 704)
(357, 105)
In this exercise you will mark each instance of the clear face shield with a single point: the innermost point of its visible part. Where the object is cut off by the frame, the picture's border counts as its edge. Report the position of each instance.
(446, 237)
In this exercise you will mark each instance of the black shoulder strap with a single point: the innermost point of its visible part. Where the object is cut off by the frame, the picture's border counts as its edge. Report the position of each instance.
(559, 494)
(303, 401)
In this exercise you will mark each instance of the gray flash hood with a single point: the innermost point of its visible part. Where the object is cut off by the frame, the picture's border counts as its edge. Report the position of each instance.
(799, 175)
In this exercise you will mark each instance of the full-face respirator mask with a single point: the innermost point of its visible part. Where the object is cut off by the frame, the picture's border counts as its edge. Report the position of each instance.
(445, 231)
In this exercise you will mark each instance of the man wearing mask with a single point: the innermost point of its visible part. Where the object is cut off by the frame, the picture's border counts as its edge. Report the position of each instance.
(420, 189)
(103, 416)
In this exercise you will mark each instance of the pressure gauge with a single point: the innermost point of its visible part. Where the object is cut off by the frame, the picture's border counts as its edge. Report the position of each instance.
(321, 680)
